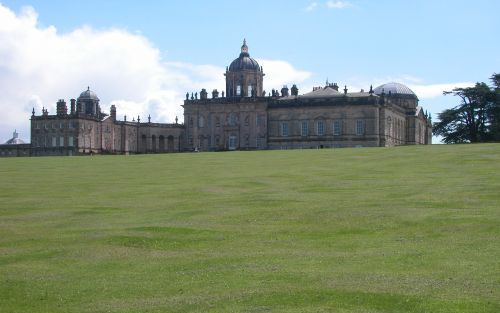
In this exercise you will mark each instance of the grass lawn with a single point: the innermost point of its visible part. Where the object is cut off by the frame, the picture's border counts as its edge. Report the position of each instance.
(406, 229)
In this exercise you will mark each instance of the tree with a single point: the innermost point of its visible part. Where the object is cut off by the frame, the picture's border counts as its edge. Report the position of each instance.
(476, 119)
(495, 108)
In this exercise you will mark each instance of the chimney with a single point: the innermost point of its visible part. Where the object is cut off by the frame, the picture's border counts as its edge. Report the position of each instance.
(295, 90)
(73, 105)
(61, 108)
(284, 91)
(203, 94)
(112, 111)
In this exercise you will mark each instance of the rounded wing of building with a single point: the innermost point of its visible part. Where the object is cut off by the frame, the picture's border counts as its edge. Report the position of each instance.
(394, 89)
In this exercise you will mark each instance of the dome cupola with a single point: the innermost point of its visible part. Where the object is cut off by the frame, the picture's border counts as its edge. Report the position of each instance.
(88, 103)
(244, 76)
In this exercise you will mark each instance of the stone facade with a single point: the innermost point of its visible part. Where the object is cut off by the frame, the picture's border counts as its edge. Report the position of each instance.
(244, 118)
(86, 130)
(247, 119)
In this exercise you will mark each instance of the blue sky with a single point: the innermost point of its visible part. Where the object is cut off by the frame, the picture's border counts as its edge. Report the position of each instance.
(144, 55)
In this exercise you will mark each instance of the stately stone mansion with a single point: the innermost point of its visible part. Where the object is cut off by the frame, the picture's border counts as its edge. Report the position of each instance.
(244, 117)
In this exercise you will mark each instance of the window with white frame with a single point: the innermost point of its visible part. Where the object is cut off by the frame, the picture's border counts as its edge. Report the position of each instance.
(284, 129)
(360, 127)
(337, 128)
(238, 90)
(321, 128)
(304, 129)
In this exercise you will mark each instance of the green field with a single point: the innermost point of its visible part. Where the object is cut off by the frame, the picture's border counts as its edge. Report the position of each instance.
(406, 229)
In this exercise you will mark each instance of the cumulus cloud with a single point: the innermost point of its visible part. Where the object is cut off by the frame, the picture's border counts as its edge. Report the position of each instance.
(436, 90)
(39, 65)
(311, 6)
(331, 4)
(280, 73)
(338, 4)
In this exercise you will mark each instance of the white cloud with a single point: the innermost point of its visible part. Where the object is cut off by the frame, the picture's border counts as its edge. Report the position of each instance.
(331, 4)
(38, 66)
(312, 6)
(279, 73)
(436, 90)
(338, 4)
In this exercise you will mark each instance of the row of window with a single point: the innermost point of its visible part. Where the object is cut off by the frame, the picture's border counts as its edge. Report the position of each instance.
(57, 125)
(52, 141)
(260, 142)
(321, 128)
(232, 120)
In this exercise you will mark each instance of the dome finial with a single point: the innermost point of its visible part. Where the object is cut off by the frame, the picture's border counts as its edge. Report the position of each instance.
(88, 88)
(244, 48)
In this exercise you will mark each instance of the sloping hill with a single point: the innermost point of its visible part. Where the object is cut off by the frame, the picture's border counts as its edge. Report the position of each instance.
(407, 229)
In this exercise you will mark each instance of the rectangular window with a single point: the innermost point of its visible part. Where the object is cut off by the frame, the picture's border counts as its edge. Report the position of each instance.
(321, 128)
(61, 141)
(217, 121)
(61, 125)
(249, 91)
(54, 141)
(304, 129)
(337, 128)
(70, 141)
(360, 127)
(232, 142)
(238, 90)
(284, 129)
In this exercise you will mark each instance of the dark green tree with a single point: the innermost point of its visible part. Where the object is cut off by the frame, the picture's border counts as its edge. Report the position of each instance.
(495, 108)
(475, 119)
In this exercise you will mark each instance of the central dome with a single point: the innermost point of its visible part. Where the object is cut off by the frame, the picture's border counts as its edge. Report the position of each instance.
(244, 61)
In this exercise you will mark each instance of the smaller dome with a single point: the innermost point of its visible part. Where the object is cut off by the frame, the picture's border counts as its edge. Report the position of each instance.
(394, 89)
(88, 94)
(14, 140)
